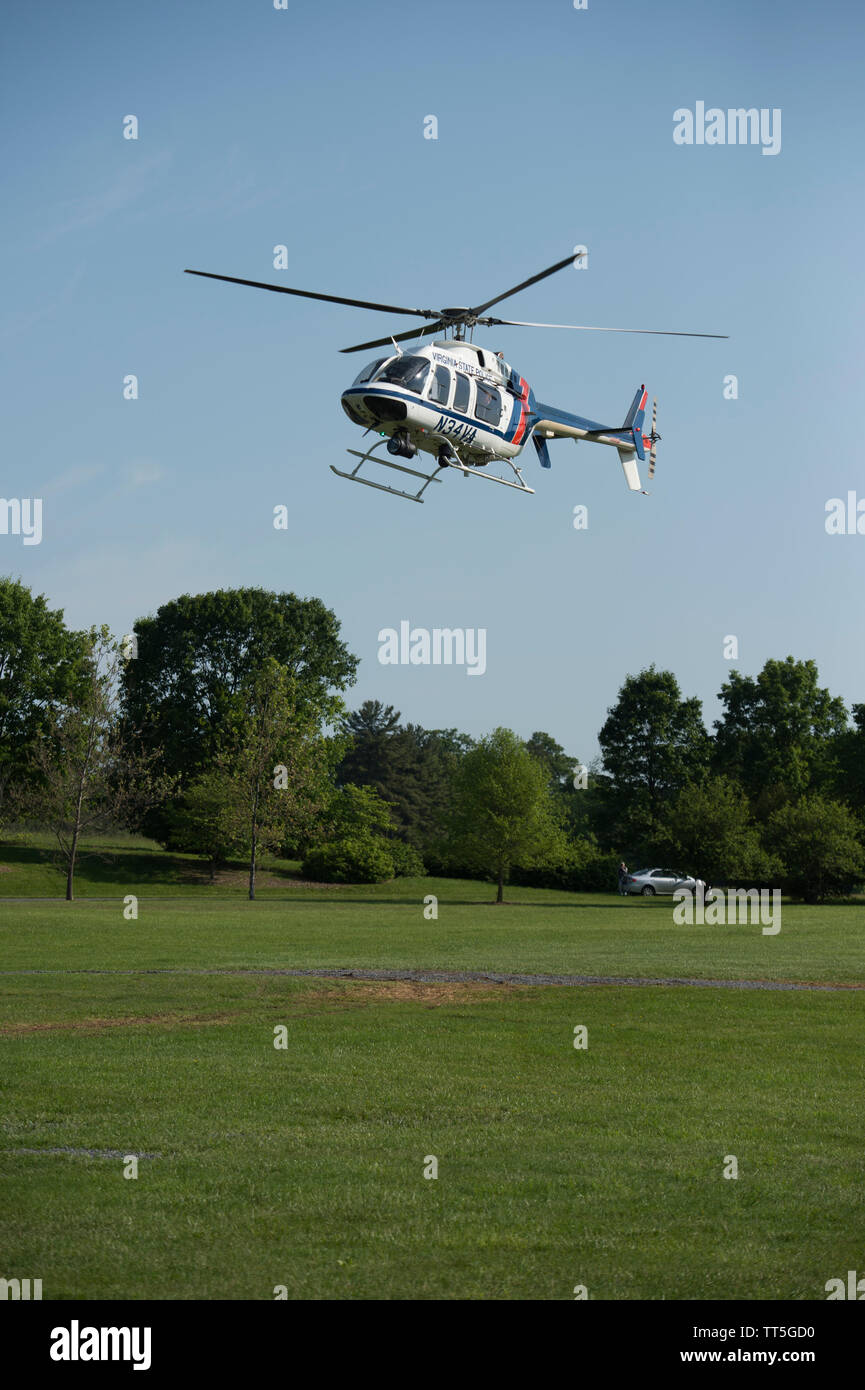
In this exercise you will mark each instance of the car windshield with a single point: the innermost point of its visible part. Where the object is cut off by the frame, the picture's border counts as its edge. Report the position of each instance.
(410, 372)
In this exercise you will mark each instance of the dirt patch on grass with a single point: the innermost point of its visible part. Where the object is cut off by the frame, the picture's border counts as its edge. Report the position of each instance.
(350, 994)
(97, 1025)
(433, 996)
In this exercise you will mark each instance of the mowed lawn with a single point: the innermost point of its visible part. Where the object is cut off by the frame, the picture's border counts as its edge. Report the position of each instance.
(303, 1166)
(536, 932)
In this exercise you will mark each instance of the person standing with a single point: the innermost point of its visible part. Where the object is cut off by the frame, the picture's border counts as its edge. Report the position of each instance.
(623, 875)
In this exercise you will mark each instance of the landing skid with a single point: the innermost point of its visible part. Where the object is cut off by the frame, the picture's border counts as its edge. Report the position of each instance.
(385, 463)
(453, 462)
(491, 477)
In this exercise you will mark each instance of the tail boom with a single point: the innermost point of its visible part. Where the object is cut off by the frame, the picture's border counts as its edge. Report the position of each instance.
(628, 439)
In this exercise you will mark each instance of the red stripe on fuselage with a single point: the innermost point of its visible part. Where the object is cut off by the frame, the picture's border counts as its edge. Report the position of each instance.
(523, 399)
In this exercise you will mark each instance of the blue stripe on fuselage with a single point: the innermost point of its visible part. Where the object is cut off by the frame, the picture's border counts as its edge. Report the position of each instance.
(480, 425)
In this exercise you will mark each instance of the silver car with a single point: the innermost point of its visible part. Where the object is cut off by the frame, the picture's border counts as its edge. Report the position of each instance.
(652, 881)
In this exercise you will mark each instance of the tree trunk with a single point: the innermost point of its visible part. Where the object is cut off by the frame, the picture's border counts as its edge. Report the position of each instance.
(73, 848)
(254, 839)
(500, 896)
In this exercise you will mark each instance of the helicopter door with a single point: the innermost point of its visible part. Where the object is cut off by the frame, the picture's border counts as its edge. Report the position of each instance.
(488, 407)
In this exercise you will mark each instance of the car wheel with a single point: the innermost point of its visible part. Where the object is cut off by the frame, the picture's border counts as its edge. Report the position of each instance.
(648, 891)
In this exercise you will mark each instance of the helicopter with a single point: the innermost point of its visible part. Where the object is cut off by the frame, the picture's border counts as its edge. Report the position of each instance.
(464, 404)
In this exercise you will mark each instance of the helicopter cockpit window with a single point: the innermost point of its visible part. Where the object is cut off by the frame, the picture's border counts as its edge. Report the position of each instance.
(369, 371)
(461, 394)
(410, 372)
(489, 405)
(440, 389)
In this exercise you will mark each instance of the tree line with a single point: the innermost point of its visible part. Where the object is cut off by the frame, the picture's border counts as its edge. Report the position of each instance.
(221, 729)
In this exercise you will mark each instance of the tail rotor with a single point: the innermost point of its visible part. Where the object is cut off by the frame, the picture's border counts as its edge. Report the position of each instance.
(653, 439)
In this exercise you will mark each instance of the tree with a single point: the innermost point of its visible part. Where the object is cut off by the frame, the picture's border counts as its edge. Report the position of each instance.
(185, 689)
(850, 758)
(502, 809)
(554, 758)
(89, 771)
(576, 798)
(409, 767)
(354, 812)
(653, 742)
(42, 665)
(707, 831)
(777, 731)
(277, 773)
(197, 820)
(818, 843)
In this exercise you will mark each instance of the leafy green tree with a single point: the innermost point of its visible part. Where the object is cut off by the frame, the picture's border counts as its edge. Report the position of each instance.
(502, 808)
(707, 831)
(89, 770)
(354, 812)
(653, 742)
(553, 756)
(186, 688)
(409, 767)
(277, 774)
(42, 665)
(778, 731)
(575, 787)
(818, 843)
(849, 751)
(197, 820)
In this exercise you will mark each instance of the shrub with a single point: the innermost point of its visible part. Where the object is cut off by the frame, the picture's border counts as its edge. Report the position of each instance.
(818, 843)
(362, 859)
(442, 864)
(407, 863)
(583, 869)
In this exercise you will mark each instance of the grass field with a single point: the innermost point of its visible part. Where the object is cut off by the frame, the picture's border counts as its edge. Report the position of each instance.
(303, 1166)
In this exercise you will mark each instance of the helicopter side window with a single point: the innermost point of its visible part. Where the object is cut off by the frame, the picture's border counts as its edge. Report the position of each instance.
(462, 391)
(461, 394)
(369, 371)
(410, 372)
(440, 389)
(489, 405)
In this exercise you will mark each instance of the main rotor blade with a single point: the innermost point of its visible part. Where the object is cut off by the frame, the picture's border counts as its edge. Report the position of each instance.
(590, 328)
(309, 294)
(398, 338)
(533, 280)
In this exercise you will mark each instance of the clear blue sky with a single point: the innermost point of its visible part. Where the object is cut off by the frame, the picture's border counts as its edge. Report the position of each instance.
(305, 127)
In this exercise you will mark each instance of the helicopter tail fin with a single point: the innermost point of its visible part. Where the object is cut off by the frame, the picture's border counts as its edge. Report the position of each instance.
(637, 412)
(635, 448)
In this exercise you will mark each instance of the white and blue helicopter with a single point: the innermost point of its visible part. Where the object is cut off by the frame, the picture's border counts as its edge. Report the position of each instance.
(464, 404)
